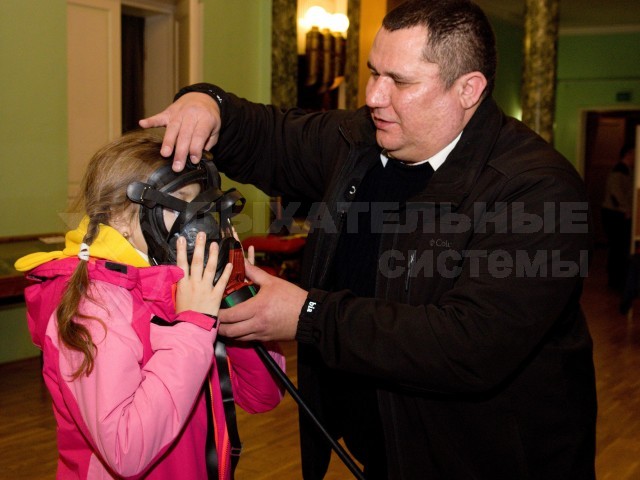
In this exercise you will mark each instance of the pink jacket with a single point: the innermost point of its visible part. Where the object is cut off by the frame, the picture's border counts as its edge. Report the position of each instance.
(141, 413)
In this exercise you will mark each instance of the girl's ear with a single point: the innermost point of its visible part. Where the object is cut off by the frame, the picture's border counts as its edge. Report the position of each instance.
(122, 222)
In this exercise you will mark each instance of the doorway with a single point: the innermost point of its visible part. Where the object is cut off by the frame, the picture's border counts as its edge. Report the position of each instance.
(605, 133)
(133, 71)
(167, 40)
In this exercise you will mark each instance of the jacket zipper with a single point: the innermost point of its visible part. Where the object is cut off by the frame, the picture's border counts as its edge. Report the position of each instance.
(412, 261)
(327, 261)
(226, 454)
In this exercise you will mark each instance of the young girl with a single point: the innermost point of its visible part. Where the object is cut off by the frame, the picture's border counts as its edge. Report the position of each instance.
(128, 348)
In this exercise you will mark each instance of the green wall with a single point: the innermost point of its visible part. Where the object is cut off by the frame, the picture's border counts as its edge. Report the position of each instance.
(237, 47)
(592, 69)
(33, 118)
(237, 57)
(33, 135)
(507, 89)
(15, 342)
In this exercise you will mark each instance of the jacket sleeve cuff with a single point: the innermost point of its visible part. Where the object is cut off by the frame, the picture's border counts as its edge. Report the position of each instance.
(215, 92)
(202, 320)
(308, 324)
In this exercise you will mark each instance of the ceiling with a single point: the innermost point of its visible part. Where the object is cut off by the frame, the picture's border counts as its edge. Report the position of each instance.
(576, 15)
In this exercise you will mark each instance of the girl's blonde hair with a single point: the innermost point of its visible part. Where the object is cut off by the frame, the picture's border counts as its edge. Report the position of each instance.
(132, 157)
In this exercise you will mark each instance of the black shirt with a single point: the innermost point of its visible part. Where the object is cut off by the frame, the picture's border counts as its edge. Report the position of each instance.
(383, 189)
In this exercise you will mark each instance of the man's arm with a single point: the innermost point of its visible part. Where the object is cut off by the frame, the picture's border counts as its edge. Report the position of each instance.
(477, 334)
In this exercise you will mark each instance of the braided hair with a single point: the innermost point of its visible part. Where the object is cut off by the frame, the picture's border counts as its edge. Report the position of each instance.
(132, 157)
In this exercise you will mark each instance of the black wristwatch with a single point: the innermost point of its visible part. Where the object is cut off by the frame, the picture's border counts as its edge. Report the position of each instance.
(213, 91)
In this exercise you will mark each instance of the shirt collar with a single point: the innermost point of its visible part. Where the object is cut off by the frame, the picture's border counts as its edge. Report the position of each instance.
(436, 160)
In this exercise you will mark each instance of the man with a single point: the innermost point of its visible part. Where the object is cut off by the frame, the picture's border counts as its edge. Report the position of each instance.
(444, 270)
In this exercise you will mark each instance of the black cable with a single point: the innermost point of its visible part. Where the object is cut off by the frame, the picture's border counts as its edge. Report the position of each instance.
(236, 295)
(291, 388)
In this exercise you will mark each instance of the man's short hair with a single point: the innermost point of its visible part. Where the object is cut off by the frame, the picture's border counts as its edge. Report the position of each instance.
(460, 38)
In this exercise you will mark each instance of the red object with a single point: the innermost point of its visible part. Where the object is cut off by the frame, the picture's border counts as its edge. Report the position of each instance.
(275, 244)
(237, 279)
(281, 255)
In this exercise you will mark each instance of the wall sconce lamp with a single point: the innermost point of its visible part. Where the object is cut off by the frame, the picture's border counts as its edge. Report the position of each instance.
(325, 48)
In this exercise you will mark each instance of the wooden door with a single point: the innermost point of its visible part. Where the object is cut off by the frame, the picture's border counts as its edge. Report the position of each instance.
(173, 58)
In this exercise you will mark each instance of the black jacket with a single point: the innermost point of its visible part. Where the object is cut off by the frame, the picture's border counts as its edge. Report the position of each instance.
(476, 336)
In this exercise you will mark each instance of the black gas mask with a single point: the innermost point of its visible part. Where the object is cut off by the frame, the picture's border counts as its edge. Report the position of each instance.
(210, 211)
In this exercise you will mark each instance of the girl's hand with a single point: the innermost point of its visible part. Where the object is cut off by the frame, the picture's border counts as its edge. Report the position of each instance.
(196, 290)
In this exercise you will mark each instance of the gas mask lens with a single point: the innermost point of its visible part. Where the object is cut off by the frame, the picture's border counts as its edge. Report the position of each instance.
(187, 194)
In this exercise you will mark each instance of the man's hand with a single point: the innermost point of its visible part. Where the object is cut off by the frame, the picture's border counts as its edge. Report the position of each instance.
(271, 315)
(192, 125)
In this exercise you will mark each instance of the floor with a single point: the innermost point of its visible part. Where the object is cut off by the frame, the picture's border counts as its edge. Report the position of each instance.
(27, 428)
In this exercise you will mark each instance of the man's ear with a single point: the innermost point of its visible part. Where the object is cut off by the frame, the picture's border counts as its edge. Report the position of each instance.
(471, 86)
